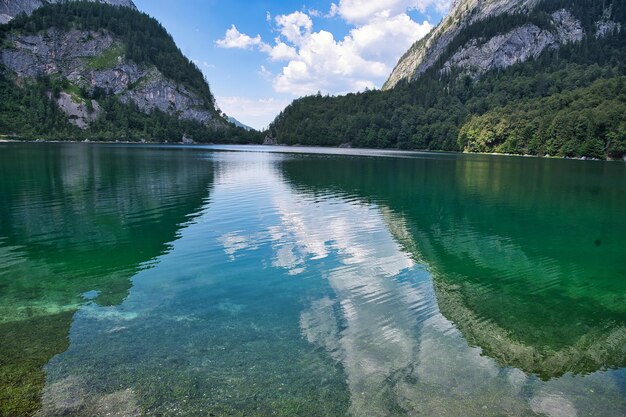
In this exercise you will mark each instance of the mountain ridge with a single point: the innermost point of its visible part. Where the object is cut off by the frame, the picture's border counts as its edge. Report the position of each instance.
(97, 71)
(524, 33)
(9, 9)
(424, 52)
(516, 77)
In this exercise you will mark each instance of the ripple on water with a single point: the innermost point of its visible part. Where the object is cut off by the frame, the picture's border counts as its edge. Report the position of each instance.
(290, 286)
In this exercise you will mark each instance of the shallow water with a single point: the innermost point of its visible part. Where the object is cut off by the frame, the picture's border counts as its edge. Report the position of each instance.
(139, 280)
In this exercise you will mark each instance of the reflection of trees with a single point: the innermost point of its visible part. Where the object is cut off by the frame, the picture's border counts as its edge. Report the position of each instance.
(77, 219)
(598, 349)
(525, 254)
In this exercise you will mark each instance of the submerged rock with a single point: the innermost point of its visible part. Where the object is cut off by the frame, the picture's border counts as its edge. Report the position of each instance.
(120, 403)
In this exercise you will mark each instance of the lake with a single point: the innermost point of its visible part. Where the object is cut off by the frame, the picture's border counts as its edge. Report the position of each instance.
(256, 281)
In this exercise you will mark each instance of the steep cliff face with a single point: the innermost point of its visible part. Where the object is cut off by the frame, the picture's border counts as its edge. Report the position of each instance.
(95, 61)
(112, 72)
(518, 45)
(424, 53)
(517, 33)
(11, 8)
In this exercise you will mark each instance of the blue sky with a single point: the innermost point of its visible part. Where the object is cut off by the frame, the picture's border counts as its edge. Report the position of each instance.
(260, 55)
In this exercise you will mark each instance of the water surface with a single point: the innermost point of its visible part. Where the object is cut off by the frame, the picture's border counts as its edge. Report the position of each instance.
(236, 281)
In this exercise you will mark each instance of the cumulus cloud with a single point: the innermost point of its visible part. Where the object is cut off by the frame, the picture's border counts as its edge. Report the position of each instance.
(381, 32)
(236, 39)
(280, 52)
(294, 27)
(362, 59)
(361, 11)
(323, 63)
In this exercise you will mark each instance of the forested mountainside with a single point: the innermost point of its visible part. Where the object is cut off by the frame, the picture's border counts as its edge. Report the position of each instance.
(542, 77)
(92, 70)
(9, 9)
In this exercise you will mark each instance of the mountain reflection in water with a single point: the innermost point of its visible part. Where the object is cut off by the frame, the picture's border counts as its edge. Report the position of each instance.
(76, 223)
(354, 285)
(512, 244)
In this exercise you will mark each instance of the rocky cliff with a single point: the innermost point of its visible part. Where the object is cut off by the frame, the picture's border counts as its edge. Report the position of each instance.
(517, 45)
(11, 8)
(95, 61)
(107, 69)
(457, 42)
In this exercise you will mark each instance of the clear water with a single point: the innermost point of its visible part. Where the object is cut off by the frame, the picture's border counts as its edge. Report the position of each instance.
(303, 282)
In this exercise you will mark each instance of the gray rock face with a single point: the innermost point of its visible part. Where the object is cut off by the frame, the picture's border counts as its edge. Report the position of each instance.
(11, 8)
(480, 55)
(73, 55)
(518, 45)
(424, 53)
(54, 52)
(606, 26)
(153, 91)
(78, 111)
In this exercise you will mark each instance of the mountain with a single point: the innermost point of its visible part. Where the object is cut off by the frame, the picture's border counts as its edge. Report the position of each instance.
(538, 77)
(9, 9)
(238, 123)
(97, 71)
(525, 38)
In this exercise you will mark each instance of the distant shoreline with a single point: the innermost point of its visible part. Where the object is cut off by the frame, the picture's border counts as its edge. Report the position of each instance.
(97, 142)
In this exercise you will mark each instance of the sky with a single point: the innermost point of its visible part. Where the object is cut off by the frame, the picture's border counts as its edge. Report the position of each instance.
(260, 55)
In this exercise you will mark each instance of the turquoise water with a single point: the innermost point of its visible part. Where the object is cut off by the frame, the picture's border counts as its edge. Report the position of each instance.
(303, 282)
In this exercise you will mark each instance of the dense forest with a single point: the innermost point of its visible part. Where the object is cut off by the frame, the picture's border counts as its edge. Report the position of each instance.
(27, 112)
(567, 102)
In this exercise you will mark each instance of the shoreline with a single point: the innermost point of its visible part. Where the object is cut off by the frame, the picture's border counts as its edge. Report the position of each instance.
(400, 151)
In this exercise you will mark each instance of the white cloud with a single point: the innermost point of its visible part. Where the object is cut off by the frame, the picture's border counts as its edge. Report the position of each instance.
(236, 39)
(334, 10)
(264, 72)
(362, 11)
(295, 27)
(317, 61)
(257, 113)
(280, 52)
(324, 64)
(362, 59)
(385, 39)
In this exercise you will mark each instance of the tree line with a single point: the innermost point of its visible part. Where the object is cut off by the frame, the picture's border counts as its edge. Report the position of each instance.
(537, 101)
